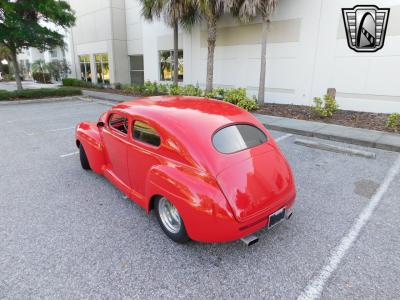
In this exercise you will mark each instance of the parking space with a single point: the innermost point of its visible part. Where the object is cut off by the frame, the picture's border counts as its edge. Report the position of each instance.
(68, 233)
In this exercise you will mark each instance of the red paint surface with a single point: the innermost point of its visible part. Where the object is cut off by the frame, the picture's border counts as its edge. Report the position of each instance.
(221, 197)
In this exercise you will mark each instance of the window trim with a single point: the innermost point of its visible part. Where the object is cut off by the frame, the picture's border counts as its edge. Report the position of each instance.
(140, 141)
(234, 124)
(113, 129)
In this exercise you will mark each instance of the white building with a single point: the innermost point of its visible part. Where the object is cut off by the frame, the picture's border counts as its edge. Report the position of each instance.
(307, 52)
(28, 56)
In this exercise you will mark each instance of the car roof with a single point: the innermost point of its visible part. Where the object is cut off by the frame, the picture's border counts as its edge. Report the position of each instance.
(190, 120)
(210, 114)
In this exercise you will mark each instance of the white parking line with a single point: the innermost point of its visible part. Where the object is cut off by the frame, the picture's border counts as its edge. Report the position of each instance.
(60, 129)
(283, 137)
(316, 285)
(69, 154)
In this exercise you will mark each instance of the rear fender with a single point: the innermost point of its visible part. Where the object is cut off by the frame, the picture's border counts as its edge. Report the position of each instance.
(87, 134)
(197, 197)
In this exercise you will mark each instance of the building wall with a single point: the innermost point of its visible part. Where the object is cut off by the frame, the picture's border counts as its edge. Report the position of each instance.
(101, 28)
(307, 53)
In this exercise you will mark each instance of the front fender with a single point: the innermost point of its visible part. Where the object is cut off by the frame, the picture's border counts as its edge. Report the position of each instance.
(87, 134)
(198, 198)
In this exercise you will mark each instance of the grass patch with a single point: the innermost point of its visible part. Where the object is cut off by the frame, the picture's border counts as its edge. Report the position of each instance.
(38, 93)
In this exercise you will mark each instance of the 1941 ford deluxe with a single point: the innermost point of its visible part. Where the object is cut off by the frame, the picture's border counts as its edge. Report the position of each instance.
(210, 170)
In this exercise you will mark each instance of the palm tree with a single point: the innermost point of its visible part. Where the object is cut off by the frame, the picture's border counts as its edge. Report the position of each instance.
(211, 11)
(40, 66)
(173, 12)
(246, 10)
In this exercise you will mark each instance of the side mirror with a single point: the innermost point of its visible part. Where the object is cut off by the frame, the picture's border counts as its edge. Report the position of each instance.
(100, 124)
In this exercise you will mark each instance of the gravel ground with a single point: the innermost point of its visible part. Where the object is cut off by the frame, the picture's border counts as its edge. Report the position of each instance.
(68, 233)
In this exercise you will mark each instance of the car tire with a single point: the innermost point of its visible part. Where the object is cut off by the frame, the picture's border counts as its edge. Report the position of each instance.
(170, 220)
(84, 161)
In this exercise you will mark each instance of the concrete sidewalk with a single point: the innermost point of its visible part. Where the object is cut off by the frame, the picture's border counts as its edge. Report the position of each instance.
(356, 136)
(107, 96)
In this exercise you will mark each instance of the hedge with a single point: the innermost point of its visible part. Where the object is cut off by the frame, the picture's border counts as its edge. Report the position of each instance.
(38, 93)
(77, 83)
(236, 96)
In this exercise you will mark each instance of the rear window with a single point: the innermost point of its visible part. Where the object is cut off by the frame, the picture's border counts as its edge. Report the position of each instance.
(238, 137)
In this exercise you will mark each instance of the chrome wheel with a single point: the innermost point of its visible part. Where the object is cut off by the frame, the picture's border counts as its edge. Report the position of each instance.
(169, 216)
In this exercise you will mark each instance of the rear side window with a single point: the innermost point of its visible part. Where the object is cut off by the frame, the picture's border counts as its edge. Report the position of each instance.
(145, 133)
(238, 137)
(119, 123)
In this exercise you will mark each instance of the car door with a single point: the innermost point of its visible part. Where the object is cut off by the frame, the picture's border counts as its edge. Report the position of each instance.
(115, 139)
(142, 154)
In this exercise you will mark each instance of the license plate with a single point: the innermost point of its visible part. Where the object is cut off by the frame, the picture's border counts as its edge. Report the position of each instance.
(276, 217)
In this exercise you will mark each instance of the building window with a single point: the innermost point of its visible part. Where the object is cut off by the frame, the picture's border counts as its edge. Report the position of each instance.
(102, 68)
(86, 74)
(53, 53)
(167, 65)
(137, 69)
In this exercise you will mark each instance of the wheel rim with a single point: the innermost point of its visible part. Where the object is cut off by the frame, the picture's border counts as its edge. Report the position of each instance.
(169, 215)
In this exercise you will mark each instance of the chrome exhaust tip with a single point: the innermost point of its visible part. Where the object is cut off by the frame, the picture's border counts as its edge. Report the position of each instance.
(289, 214)
(249, 240)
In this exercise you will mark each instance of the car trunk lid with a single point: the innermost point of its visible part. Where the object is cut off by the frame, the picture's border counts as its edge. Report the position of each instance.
(255, 184)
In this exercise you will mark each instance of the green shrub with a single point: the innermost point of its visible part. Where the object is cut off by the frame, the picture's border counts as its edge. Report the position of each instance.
(163, 89)
(331, 105)
(8, 77)
(150, 88)
(393, 121)
(39, 93)
(118, 86)
(191, 90)
(175, 90)
(248, 104)
(42, 77)
(77, 83)
(234, 96)
(324, 108)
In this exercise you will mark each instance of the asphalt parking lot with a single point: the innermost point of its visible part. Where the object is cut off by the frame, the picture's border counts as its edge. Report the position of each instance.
(69, 233)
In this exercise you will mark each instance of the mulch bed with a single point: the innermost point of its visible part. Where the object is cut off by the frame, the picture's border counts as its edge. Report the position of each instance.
(375, 121)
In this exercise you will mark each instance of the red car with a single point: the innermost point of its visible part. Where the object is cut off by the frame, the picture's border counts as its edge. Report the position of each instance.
(210, 170)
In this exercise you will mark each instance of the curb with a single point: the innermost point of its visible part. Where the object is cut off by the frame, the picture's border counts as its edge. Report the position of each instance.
(116, 98)
(44, 100)
(350, 135)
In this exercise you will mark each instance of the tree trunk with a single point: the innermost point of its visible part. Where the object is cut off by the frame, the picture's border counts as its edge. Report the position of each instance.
(176, 59)
(263, 62)
(16, 70)
(212, 36)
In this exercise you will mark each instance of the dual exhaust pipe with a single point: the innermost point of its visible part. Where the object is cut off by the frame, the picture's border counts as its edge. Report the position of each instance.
(252, 239)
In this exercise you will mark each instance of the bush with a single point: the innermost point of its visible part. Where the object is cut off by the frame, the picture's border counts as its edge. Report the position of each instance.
(324, 108)
(248, 104)
(38, 93)
(118, 86)
(393, 121)
(42, 77)
(76, 83)
(8, 77)
(234, 96)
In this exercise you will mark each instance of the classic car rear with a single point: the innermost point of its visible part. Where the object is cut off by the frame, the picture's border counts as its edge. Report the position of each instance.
(209, 169)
